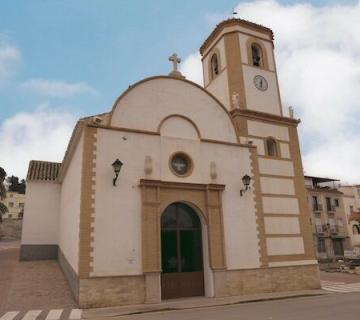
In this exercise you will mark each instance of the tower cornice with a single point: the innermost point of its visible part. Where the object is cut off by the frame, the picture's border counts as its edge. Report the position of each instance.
(234, 22)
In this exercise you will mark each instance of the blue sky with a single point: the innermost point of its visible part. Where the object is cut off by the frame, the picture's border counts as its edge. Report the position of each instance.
(71, 58)
(107, 44)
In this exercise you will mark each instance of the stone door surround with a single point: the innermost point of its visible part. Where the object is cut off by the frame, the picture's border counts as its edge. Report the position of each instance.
(156, 195)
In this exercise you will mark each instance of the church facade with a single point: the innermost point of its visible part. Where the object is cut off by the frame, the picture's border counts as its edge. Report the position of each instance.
(207, 197)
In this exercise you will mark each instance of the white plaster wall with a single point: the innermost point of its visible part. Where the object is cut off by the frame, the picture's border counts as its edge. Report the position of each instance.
(284, 150)
(41, 213)
(268, 47)
(70, 208)
(117, 245)
(285, 245)
(178, 127)
(276, 167)
(280, 205)
(262, 129)
(277, 186)
(264, 101)
(282, 225)
(219, 87)
(151, 101)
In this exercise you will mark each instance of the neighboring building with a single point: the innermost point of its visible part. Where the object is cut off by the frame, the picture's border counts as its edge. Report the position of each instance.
(180, 220)
(352, 211)
(328, 218)
(15, 203)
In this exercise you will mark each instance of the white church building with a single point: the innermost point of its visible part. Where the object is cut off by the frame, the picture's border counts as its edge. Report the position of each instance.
(180, 190)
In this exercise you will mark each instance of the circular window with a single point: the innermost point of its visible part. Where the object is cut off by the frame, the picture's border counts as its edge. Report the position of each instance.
(181, 164)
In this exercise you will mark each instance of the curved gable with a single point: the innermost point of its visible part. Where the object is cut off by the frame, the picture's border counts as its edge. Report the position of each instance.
(146, 104)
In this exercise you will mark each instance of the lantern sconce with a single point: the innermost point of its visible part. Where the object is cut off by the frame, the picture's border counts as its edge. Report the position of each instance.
(246, 181)
(117, 167)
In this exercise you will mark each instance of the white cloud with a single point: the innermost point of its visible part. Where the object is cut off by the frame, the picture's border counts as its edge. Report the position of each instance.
(62, 89)
(192, 68)
(10, 57)
(318, 52)
(39, 135)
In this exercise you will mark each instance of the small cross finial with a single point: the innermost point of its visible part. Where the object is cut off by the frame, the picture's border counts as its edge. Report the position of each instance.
(175, 60)
(234, 13)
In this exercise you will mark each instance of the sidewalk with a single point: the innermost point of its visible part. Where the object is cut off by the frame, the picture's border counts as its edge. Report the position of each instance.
(192, 303)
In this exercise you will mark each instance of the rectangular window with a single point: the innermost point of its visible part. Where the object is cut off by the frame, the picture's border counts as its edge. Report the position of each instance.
(321, 245)
(328, 204)
(11, 204)
(21, 205)
(337, 204)
(315, 203)
(338, 247)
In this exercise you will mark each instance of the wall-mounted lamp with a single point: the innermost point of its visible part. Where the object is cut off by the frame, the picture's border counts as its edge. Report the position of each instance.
(246, 181)
(117, 167)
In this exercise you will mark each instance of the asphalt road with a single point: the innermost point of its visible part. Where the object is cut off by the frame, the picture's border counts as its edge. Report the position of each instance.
(329, 307)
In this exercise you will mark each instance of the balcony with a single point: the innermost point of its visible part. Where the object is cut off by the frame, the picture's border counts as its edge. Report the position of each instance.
(331, 209)
(317, 207)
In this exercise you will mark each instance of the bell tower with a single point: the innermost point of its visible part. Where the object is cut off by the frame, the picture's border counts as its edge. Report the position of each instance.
(239, 70)
(239, 66)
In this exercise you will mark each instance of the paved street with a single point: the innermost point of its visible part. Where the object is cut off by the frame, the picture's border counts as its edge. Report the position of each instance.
(327, 307)
(33, 285)
(37, 290)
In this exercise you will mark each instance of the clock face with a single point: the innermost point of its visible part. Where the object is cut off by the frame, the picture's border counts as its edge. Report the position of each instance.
(260, 83)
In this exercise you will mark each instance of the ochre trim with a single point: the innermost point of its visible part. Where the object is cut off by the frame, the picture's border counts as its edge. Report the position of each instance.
(234, 68)
(264, 138)
(300, 191)
(264, 56)
(87, 203)
(283, 235)
(178, 116)
(236, 144)
(259, 212)
(158, 195)
(234, 22)
(266, 117)
(153, 133)
(221, 35)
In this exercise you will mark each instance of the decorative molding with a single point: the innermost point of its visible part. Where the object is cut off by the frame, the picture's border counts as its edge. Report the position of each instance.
(205, 198)
(234, 22)
(259, 212)
(87, 203)
(266, 117)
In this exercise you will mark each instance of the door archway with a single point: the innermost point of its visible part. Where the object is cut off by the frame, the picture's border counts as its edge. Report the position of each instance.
(181, 252)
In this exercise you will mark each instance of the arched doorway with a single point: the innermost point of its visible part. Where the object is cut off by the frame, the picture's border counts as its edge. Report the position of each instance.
(181, 252)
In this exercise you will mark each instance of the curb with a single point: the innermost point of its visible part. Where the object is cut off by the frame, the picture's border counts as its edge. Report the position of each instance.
(112, 312)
